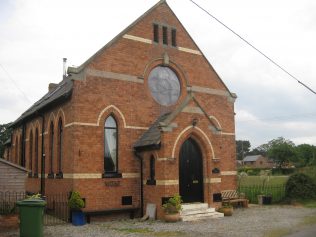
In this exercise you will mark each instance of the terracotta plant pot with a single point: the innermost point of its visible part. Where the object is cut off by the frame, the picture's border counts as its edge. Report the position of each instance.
(228, 211)
(172, 217)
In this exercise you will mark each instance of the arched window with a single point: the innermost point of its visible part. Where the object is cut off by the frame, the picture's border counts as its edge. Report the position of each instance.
(152, 168)
(60, 149)
(36, 154)
(51, 151)
(152, 171)
(16, 157)
(31, 154)
(21, 163)
(110, 147)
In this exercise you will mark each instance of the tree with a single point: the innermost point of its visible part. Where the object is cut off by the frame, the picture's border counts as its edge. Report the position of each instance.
(306, 154)
(5, 134)
(242, 148)
(282, 151)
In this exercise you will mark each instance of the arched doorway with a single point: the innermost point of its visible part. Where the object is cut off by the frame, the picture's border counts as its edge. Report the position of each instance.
(191, 172)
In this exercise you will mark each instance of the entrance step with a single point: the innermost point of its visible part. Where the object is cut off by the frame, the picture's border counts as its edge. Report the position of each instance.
(198, 211)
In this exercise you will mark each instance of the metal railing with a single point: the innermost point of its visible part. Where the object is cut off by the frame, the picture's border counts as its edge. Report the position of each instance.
(56, 211)
(252, 191)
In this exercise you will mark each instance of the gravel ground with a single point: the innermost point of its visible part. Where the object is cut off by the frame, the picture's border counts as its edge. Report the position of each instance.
(255, 221)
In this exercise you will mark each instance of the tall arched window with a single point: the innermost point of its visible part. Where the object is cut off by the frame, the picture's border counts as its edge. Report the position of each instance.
(152, 171)
(36, 154)
(60, 149)
(110, 146)
(51, 151)
(21, 152)
(31, 154)
(16, 157)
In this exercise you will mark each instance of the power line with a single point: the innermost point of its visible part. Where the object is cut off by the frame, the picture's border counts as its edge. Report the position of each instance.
(255, 48)
(14, 83)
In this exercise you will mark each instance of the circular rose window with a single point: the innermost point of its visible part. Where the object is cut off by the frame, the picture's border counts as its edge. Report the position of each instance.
(164, 85)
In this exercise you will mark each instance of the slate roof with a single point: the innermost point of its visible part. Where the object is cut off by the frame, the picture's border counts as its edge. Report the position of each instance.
(151, 138)
(62, 92)
(251, 158)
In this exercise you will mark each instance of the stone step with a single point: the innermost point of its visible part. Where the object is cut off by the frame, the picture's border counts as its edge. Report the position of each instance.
(204, 216)
(197, 211)
(193, 206)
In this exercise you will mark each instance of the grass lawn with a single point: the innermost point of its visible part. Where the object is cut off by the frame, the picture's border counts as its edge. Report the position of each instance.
(257, 180)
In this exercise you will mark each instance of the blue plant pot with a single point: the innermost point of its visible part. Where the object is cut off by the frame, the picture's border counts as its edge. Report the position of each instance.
(78, 217)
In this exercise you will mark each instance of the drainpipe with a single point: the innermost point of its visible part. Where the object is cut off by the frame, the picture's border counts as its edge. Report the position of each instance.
(137, 154)
(43, 159)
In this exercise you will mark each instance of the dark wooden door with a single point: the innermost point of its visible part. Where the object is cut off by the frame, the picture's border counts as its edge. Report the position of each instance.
(191, 172)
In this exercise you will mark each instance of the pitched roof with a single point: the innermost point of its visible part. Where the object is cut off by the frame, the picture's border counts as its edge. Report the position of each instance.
(13, 165)
(76, 70)
(62, 92)
(252, 158)
(151, 138)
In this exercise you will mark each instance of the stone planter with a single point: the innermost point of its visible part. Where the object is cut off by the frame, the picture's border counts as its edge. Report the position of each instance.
(260, 199)
(172, 217)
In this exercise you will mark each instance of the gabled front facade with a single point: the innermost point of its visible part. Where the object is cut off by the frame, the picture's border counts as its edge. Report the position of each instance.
(144, 118)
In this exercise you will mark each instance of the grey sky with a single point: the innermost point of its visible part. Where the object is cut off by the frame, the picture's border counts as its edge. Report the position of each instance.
(36, 34)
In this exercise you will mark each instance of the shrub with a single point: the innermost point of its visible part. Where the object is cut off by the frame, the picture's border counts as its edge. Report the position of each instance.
(300, 186)
(173, 205)
(75, 201)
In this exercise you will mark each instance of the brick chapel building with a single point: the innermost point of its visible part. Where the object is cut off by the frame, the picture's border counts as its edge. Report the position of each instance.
(144, 118)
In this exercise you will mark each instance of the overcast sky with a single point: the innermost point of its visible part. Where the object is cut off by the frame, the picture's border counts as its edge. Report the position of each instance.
(36, 34)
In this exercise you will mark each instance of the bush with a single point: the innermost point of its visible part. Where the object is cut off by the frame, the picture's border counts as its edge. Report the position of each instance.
(300, 186)
(75, 201)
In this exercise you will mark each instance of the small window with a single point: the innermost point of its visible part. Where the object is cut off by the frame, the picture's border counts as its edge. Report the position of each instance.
(174, 37)
(31, 154)
(60, 149)
(165, 35)
(156, 33)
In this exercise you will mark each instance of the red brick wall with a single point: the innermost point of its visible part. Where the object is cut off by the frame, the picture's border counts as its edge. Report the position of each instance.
(95, 98)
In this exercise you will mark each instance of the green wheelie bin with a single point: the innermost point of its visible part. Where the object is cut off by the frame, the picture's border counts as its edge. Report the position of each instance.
(31, 217)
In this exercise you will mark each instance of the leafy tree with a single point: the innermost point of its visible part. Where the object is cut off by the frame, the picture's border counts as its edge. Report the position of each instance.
(243, 148)
(306, 154)
(282, 151)
(5, 134)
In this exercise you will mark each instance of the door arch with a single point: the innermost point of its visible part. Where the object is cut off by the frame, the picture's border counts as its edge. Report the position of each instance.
(191, 172)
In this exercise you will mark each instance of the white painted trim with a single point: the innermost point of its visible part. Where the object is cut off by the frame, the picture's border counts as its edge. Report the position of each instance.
(148, 41)
(100, 116)
(80, 124)
(113, 75)
(210, 91)
(228, 172)
(216, 120)
(167, 182)
(136, 38)
(165, 159)
(212, 180)
(193, 110)
(228, 134)
(187, 50)
(186, 129)
(135, 127)
(130, 175)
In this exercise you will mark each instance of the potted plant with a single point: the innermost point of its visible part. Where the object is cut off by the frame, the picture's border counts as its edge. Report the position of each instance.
(172, 208)
(75, 204)
(227, 209)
